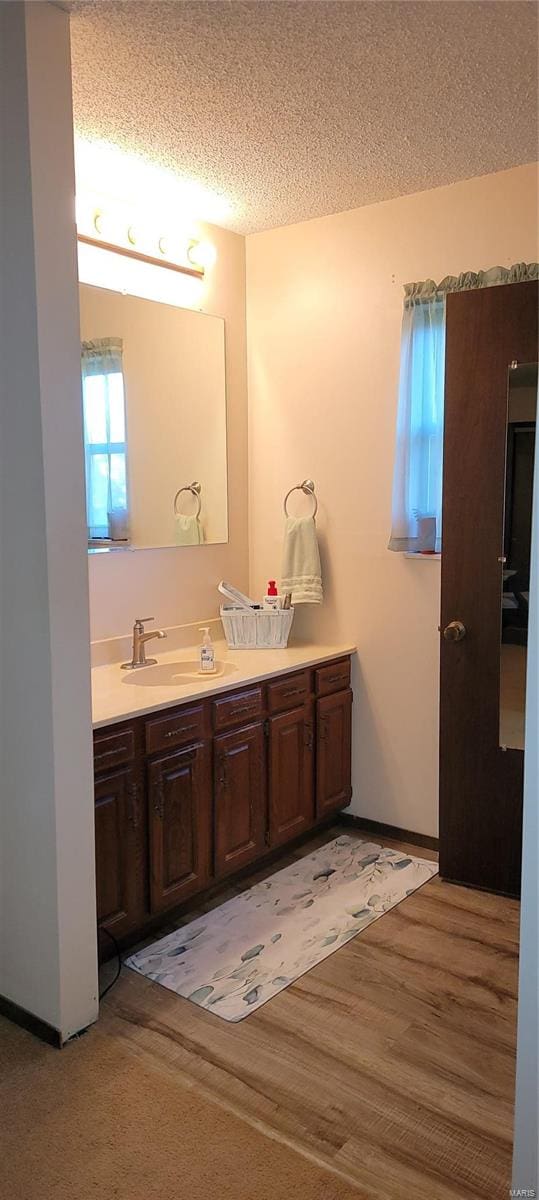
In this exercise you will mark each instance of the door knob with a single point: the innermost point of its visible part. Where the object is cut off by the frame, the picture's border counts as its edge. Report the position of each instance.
(455, 631)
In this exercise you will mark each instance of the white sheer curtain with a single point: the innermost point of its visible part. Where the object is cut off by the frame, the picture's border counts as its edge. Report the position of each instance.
(417, 480)
(105, 440)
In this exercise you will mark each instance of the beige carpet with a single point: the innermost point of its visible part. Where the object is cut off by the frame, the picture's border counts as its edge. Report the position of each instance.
(93, 1121)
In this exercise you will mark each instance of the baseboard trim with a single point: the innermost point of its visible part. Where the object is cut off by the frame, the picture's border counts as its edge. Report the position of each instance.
(479, 887)
(20, 1016)
(390, 831)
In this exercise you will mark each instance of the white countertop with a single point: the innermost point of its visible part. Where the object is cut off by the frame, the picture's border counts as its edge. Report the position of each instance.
(118, 695)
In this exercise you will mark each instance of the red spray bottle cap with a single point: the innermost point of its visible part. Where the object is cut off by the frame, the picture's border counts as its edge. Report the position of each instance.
(272, 588)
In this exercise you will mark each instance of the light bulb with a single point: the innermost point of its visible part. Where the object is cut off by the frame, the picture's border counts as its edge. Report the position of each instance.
(202, 254)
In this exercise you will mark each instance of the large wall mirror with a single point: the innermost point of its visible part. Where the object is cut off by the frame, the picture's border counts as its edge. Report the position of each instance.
(153, 382)
(519, 472)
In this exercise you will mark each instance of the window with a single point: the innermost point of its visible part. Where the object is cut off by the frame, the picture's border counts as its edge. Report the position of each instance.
(105, 440)
(417, 482)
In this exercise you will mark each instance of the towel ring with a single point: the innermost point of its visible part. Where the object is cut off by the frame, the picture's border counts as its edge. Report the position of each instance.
(308, 488)
(195, 490)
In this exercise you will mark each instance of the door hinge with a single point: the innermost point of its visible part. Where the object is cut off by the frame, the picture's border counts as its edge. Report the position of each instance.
(309, 736)
(133, 811)
(223, 777)
(266, 727)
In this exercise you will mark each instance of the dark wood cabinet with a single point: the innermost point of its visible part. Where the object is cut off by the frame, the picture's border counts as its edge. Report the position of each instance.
(188, 796)
(117, 816)
(239, 797)
(333, 752)
(291, 777)
(179, 807)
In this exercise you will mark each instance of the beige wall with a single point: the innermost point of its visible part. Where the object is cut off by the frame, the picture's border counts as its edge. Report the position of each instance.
(323, 319)
(179, 585)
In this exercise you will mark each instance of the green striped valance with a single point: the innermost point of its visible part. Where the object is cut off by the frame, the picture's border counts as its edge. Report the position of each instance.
(427, 290)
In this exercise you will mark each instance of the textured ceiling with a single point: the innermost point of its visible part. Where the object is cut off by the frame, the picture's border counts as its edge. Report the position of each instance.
(298, 109)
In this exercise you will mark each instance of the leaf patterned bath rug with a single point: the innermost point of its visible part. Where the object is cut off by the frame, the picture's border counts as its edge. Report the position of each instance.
(238, 956)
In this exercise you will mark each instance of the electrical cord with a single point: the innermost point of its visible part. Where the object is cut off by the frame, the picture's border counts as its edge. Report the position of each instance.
(119, 964)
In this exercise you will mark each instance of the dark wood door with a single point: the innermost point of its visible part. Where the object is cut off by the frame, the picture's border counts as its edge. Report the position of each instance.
(119, 886)
(240, 797)
(291, 776)
(480, 784)
(333, 752)
(179, 805)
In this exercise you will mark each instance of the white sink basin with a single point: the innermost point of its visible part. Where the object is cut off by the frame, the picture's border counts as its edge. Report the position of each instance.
(173, 674)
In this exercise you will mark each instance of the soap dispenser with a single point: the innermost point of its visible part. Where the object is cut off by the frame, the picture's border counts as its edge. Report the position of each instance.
(207, 653)
(272, 600)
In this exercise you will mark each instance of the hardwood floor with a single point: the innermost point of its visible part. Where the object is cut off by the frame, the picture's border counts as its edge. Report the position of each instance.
(391, 1063)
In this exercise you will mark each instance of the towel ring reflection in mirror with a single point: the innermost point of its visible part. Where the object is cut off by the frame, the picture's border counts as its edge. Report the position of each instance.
(195, 490)
(308, 488)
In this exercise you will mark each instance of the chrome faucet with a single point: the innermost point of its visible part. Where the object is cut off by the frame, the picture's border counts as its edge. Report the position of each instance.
(140, 637)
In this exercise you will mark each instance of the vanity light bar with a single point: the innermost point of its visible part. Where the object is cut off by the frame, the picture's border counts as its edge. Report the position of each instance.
(195, 272)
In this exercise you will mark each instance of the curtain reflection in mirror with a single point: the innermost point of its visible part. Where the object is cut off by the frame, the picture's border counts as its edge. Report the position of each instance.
(105, 441)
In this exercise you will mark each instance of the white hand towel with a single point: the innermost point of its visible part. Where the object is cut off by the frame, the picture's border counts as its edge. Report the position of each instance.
(302, 572)
(189, 531)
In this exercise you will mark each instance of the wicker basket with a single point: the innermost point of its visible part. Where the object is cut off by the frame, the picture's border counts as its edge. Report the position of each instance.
(250, 628)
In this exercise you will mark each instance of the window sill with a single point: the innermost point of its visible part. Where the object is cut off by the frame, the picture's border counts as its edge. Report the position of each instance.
(422, 557)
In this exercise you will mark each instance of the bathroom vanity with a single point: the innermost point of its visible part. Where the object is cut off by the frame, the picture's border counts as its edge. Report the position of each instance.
(189, 794)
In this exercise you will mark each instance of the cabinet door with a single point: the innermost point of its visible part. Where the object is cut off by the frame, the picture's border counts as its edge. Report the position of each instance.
(333, 752)
(291, 806)
(240, 798)
(179, 798)
(118, 880)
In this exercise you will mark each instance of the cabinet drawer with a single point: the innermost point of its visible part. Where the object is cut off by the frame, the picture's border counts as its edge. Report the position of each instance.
(113, 749)
(289, 692)
(333, 678)
(241, 708)
(187, 725)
